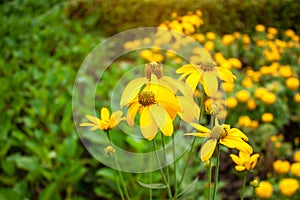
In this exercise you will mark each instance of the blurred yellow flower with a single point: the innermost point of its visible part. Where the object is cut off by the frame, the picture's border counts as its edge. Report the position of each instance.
(225, 64)
(219, 58)
(235, 63)
(244, 121)
(231, 102)
(285, 71)
(244, 161)
(237, 34)
(289, 33)
(229, 137)
(132, 45)
(210, 36)
(297, 156)
(227, 39)
(288, 186)
(260, 92)
(228, 87)
(260, 28)
(246, 39)
(209, 45)
(264, 190)
(281, 166)
(243, 96)
(251, 104)
(254, 124)
(295, 169)
(268, 98)
(203, 69)
(292, 83)
(106, 121)
(267, 117)
(199, 37)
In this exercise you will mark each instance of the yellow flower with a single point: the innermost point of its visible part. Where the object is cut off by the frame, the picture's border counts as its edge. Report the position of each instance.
(228, 87)
(154, 98)
(295, 169)
(268, 98)
(285, 71)
(251, 104)
(281, 166)
(260, 92)
(267, 117)
(106, 121)
(235, 63)
(297, 156)
(264, 190)
(244, 161)
(254, 124)
(244, 121)
(202, 69)
(246, 39)
(227, 39)
(237, 34)
(289, 33)
(288, 186)
(243, 96)
(230, 137)
(209, 45)
(210, 35)
(199, 37)
(260, 28)
(292, 83)
(231, 102)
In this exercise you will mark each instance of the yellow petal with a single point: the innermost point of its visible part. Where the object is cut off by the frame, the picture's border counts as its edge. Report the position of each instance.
(93, 119)
(237, 143)
(225, 74)
(236, 159)
(208, 149)
(115, 118)
(188, 68)
(240, 168)
(210, 83)
(189, 109)
(162, 119)
(244, 156)
(193, 79)
(200, 128)
(131, 90)
(87, 124)
(234, 132)
(131, 113)
(105, 114)
(148, 126)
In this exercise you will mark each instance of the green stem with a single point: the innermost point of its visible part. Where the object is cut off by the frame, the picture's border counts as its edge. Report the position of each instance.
(165, 156)
(244, 185)
(175, 178)
(118, 167)
(118, 185)
(217, 172)
(209, 178)
(150, 189)
(161, 171)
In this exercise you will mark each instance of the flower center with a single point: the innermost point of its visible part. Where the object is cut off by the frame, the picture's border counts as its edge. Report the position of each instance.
(207, 65)
(146, 98)
(153, 68)
(216, 132)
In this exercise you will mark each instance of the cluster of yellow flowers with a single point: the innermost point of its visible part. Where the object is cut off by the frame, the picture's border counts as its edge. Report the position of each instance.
(288, 179)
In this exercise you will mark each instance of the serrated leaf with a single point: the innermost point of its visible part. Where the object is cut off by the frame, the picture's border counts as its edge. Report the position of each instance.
(153, 185)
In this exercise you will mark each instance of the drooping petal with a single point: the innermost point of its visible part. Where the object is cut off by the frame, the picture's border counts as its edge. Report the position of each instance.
(131, 90)
(147, 124)
(115, 118)
(189, 109)
(200, 128)
(210, 83)
(237, 143)
(131, 113)
(225, 74)
(236, 159)
(193, 79)
(234, 132)
(105, 114)
(208, 149)
(162, 119)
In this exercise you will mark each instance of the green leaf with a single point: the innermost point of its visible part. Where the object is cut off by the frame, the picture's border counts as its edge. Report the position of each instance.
(49, 193)
(153, 185)
(190, 189)
(7, 194)
(29, 163)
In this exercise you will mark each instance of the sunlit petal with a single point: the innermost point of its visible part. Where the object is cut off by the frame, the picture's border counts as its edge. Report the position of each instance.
(189, 109)
(193, 79)
(203, 135)
(148, 126)
(115, 118)
(105, 114)
(240, 168)
(225, 74)
(131, 113)
(162, 119)
(188, 68)
(236, 159)
(93, 119)
(200, 128)
(131, 90)
(87, 124)
(237, 133)
(208, 149)
(210, 83)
